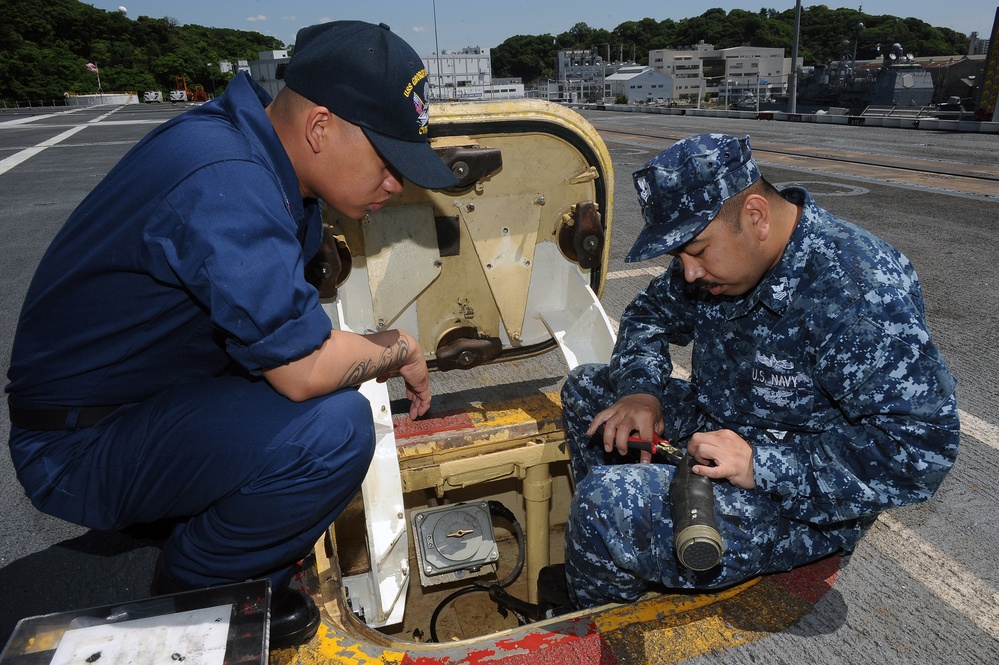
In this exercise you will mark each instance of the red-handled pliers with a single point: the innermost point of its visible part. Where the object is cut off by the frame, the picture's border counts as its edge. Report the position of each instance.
(657, 445)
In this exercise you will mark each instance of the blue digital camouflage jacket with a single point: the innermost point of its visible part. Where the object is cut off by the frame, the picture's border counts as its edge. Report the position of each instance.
(826, 368)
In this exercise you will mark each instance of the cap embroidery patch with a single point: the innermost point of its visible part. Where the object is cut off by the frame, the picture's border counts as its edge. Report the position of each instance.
(644, 191)
(422, 110)
(418, 94)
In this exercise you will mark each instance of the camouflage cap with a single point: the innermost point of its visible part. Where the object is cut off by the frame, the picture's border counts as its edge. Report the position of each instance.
(682, 189)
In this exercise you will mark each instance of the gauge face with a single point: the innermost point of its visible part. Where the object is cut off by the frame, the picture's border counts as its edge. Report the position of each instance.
(457, 535)
(454, 541)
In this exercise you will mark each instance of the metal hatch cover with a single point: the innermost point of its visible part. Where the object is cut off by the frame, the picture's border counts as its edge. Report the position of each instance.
(481, 273)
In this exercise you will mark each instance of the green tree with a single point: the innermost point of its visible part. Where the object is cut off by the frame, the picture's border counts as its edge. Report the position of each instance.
(45, 45)
(529, 57)
(634, 38)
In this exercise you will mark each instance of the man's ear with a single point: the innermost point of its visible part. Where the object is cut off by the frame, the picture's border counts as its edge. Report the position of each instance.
(757, 209)
(317, 127)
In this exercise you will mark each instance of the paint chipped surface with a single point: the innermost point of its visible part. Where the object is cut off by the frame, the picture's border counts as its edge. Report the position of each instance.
(663, 629)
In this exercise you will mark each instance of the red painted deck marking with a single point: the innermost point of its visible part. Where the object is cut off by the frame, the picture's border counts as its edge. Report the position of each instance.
(444, 422)
(813, 581)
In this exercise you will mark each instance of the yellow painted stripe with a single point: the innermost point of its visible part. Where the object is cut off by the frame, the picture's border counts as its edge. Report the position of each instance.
(750, 614)
(339, 650)
(654, 608)
(542, 407)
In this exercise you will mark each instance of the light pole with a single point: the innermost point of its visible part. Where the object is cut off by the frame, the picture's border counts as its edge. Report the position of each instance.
(603, 72)
(792, 87)
(856, 40)
(437, 45)
(211, 76)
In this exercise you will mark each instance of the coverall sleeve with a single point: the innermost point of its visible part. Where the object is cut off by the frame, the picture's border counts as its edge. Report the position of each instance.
(232, 242)
(655, 319)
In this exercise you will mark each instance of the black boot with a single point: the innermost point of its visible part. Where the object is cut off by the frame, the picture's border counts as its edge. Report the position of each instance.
(294, 618)
(553, 591)
(163, 585)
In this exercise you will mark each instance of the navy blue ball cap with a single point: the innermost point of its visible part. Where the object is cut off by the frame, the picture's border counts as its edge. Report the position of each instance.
(367, 75)
(683, 188)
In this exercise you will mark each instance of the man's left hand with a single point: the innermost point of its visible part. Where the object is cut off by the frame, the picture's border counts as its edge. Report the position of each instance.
(731, 454)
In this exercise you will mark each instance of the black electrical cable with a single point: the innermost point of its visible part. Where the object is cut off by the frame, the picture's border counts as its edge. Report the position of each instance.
(444, 603)
(496, 509)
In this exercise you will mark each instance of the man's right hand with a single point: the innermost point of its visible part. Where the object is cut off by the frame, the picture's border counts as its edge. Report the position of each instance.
(417, 377)
(639, 412)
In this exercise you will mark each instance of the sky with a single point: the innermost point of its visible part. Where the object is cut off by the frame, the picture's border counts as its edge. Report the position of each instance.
(484, 23)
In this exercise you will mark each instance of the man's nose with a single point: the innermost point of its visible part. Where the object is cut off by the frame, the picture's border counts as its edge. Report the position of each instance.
(392, 183)
(692, 270)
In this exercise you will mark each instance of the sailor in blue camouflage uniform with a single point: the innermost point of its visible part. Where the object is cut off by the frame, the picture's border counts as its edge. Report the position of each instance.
(816, 398)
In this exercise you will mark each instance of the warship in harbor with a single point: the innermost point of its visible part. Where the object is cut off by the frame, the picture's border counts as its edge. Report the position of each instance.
(898, 81)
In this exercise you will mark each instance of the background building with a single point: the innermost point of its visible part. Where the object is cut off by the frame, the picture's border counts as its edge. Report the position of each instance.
(580, 76)
(228, 67)
(977, 45)
(734, 74)
(639, 84)
(466, 75)
(268, 70)
(955, 77)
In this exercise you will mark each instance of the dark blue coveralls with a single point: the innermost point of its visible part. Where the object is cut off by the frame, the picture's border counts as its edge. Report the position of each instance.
(167, 292)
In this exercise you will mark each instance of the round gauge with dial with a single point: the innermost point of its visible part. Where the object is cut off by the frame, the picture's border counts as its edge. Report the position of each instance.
(457, 535)
(454, 541)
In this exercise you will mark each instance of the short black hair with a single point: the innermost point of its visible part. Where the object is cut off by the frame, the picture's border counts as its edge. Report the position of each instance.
(762, 187)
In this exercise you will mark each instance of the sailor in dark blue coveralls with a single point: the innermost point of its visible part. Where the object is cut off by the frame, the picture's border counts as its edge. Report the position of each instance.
(172, 362)
(816, 398)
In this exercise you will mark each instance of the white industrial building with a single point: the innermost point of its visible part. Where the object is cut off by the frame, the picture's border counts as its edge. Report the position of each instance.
(268, 70)
(580, 76)
(735, 73)
(241, 65)
(466, 75)
(639, 84)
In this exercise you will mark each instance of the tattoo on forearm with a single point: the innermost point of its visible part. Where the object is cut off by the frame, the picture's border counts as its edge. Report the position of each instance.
(390, 359)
